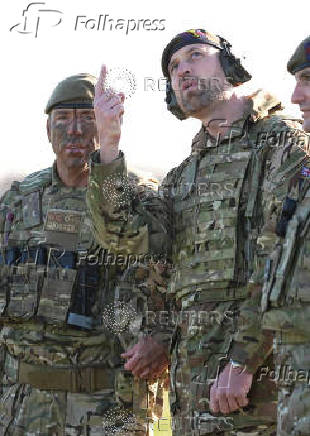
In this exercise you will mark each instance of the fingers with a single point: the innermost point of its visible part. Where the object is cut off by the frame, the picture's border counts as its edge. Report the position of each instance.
(242, 400)
(132, 364)
(108, 100)
(154, 370)
(145, 367)
(232, 403)
(223, 403)
(214, 404)
(109, 106)
(128, 354)
(117, 110)
(100, 85)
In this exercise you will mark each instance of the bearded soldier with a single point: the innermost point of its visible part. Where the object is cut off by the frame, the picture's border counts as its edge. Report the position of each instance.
(68, 311)
(285, 291)
(218, 212)
(219, 200)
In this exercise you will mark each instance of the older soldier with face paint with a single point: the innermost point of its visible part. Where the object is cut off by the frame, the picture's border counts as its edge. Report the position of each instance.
(65, 318)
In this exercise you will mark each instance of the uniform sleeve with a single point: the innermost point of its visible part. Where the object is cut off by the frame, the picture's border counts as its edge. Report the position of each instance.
(132, 219)
(127, 217)
(280, 180)
(6, 216)
(6, 220)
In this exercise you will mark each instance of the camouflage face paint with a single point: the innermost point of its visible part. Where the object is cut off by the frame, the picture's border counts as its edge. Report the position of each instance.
(73, 135)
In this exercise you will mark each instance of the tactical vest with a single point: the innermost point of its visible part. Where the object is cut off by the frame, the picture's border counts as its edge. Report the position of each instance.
(51, 292)
(286, 296)
(67, 310)
(215, 194)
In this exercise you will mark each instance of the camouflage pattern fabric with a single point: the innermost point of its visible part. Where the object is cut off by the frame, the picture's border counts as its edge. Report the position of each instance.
(281, 291)
(220, 199)
(216, 252)
(287, 313)
(292, 368)
(294, 410)
(69, 306)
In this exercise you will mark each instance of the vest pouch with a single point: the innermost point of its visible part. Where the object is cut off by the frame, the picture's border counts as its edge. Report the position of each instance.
(25, 284)
(62, 228)
(4, 286)
(56, 294)
(83, 309)
(298, 291)
(124, 386)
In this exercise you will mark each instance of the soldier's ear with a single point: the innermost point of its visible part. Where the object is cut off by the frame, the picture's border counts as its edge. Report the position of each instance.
(48, 127)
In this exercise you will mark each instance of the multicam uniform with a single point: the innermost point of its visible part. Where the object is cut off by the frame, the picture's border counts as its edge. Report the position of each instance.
(218, 212)
(67, 313)
(281, 286)
(286, 312)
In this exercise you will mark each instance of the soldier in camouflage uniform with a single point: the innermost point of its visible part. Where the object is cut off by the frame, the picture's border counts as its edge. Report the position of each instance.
(68, 310)
(284, 292)
(218, 212)
(218, 200)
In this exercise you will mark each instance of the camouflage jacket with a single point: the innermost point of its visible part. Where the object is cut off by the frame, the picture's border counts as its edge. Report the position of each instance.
(65, 302)
(219, 200)
(285, 291)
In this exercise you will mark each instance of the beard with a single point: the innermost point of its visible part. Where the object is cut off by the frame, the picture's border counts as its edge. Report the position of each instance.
(205, 96)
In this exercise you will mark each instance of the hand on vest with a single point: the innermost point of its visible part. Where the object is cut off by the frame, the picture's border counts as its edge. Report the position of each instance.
(229, 391)
(109, 110)
(147, 359)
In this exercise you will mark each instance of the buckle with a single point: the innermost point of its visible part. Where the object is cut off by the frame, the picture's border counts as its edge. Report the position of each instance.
(83, 380)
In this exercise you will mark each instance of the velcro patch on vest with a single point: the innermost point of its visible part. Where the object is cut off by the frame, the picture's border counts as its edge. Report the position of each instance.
(62, 227)
(305, 172)
(32, 213)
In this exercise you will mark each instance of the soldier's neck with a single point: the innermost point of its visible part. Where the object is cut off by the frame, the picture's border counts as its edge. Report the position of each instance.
(72, 176)
(223, 114)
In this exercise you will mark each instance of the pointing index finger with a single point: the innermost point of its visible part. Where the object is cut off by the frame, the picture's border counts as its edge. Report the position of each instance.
(100, 85)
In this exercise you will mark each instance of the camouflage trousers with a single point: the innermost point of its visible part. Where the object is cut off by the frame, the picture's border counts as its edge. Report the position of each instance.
(27, 411)
(201, 348)
(292, 372)
(294, 410)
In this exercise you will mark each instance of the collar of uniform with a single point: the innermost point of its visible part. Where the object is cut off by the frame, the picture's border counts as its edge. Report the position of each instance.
(258, 105)
(56, 180)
